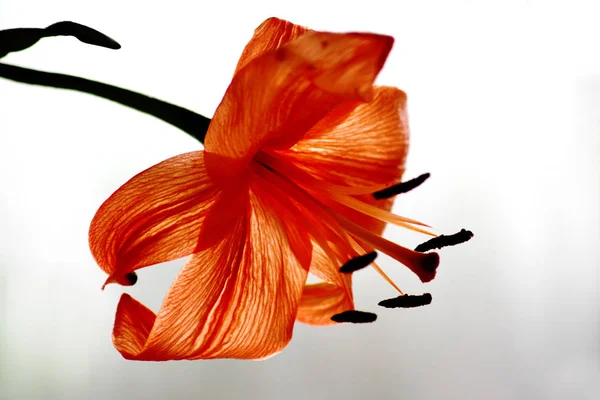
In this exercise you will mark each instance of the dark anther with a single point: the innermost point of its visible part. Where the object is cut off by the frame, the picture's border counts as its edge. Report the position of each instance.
(354, 316)
(131, 278)
(445, 241)
(407, 301)
(402, 187)
(358, 262)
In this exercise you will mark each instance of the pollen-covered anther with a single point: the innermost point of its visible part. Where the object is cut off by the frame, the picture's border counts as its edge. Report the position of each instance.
(359, 262)
(355, 317)
(401, 187)
(445, 241)
(407, 301)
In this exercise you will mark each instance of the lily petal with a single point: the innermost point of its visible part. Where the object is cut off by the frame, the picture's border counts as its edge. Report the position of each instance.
(359, 144)
(155, 217)
(279, 96)
(270, 35)
(321, 301)
(290, 212)
(237, 299)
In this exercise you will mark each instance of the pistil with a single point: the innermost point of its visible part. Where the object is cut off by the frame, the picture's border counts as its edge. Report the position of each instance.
(424, 265)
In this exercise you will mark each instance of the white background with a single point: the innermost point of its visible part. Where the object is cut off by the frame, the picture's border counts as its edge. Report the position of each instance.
(504, 101)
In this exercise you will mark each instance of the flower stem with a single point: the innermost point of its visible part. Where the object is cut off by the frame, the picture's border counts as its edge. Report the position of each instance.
(188, 121)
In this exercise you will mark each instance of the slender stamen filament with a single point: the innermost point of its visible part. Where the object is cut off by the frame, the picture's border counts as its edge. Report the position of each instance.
(380, 214)
(386, 277)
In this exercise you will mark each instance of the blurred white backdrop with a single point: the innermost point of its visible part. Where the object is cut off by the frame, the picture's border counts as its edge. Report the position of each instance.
(504, 102)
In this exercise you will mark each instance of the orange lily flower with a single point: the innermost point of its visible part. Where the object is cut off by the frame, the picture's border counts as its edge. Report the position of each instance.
(299, 144)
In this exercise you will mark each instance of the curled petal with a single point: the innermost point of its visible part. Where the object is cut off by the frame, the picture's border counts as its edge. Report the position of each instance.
(154, 217)
(270, 35)
(237, 299)
(282, 94)
(133, 323)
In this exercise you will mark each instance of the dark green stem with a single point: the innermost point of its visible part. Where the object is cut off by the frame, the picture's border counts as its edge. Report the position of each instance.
(188, 121)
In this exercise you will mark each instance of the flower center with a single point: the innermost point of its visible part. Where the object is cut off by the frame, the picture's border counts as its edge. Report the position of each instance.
(322, 196)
